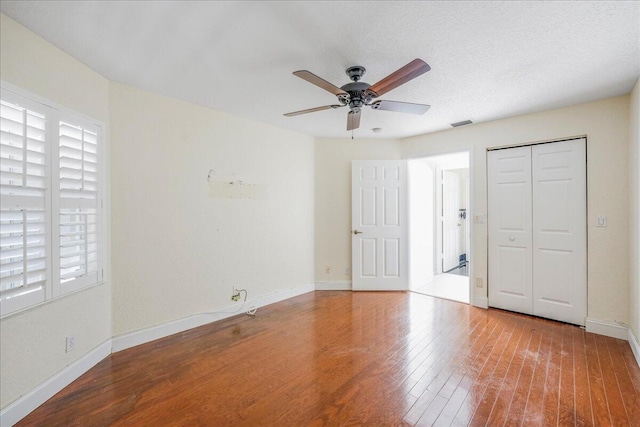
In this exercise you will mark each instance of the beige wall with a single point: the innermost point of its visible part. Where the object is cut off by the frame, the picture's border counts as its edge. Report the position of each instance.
(30, 62)
(32, 345)
(333, 199)
(634, 208)
(180, 242)
(606, 125)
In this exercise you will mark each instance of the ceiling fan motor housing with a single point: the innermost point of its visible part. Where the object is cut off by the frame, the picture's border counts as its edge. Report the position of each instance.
(359, 95)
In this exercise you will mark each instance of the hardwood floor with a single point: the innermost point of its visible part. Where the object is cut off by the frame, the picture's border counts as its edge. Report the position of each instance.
(379, 359)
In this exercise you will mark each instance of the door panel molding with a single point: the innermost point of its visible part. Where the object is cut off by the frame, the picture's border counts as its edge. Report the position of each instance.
(379, 214)
(509, 212)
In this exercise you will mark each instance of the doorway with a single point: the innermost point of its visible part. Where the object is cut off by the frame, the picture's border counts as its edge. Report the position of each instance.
(439, 235)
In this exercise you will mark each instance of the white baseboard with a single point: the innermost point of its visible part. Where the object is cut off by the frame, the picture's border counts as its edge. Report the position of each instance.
(607, 328)
(335, 285)
(480, 302)
(19, 409)
(146, 335)
(635, 345)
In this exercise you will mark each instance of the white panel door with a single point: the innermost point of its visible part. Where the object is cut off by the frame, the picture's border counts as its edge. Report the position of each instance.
(451, 225)
(379, 225)
(559, 231)
(510, 238)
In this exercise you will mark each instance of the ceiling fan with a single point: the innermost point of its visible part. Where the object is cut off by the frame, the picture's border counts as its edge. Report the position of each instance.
(357, 94)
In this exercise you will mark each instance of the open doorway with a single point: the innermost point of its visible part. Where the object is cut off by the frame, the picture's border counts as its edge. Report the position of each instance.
(440, 226)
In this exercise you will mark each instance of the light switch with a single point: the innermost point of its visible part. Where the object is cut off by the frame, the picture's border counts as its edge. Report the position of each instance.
(601, 221)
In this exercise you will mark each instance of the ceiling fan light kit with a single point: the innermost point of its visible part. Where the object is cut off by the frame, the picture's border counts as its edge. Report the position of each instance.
(358, 94)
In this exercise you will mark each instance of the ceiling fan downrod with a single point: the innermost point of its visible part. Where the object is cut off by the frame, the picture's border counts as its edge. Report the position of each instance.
(356, 72)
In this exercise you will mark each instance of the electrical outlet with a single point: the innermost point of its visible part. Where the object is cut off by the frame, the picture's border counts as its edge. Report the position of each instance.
(235, 294)
(479, 282)
(347, 271)
(327, 269)
(70, 344)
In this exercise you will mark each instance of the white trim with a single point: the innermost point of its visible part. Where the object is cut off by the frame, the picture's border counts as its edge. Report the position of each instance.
(335, 285)
(20, 408)
(608, 328)
(635, 344)
(480, 302)
(152, 333)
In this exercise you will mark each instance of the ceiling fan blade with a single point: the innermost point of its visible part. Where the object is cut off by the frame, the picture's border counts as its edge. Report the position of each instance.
(312, 110)
(400, 107)
(410, 71)
(321, 83)
(353, 120)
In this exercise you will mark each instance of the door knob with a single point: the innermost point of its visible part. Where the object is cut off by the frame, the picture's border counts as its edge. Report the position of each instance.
(357, 232)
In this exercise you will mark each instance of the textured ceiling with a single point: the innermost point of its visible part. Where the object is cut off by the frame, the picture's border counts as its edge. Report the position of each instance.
(489, 60)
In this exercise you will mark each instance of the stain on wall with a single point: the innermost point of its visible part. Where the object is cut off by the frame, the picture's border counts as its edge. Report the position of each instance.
(231, 187)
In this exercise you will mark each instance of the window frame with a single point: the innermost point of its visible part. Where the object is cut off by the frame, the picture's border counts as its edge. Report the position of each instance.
(54, 115)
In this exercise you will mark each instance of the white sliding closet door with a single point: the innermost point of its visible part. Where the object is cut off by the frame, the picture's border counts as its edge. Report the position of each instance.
(510, 260)
(560, 231)
(538, 231)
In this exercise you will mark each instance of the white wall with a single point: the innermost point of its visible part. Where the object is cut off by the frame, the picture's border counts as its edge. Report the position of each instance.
(606, 125)
(421, 220)
(33, 341)
(634, 208)
(333, 199)
(180, 242)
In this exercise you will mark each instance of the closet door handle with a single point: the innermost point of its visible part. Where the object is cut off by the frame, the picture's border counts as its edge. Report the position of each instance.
(511, 238)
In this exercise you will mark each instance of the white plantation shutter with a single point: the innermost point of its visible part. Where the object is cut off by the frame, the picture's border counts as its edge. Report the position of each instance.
(24, 203)
(51, 223)
(79, 210)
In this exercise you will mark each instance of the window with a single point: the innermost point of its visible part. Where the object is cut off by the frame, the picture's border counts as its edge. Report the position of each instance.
(79, 221)
(50, 202)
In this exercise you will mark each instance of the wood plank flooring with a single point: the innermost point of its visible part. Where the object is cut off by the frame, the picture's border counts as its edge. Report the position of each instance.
(378, 359)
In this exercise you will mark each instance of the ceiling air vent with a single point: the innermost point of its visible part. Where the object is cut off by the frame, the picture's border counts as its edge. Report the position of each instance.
(462, 123)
